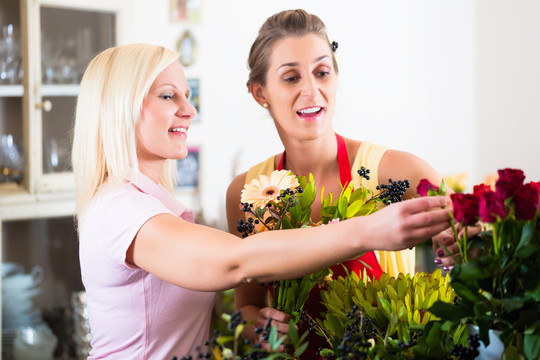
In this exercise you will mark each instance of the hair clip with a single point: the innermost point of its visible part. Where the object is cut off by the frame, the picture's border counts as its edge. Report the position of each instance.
(334, 46)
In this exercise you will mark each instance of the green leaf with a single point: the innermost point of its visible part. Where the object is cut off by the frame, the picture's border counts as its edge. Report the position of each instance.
(293, 333)
(342, 207)
(511, 353)
(448, 311)
(300, 349)
(358, 194)
(386, 305)
(434, 336)
(464, 292)
(525, 248)
(531, 346)
(307, 196)
(238, 331)
(285, 224)
(295, 213)
(367, 209)
(471, 271)
(442, 188)
(354, 208)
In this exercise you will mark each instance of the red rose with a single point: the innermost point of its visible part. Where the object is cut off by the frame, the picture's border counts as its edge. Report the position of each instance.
(490, 206)
(509, 181)
(526, 202)
(424, 186)
(536, 185)
(480, 189)
(465, 208)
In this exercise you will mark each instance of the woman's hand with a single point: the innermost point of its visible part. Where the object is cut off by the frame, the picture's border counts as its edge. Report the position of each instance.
(406, 224)
(267, 318)
(446, 248)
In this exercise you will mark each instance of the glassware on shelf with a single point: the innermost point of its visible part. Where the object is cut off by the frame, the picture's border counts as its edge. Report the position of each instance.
(10, 55)
(56, 156)
(11, 160)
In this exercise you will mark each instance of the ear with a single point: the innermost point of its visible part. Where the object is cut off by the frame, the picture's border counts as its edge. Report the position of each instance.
(257, 92)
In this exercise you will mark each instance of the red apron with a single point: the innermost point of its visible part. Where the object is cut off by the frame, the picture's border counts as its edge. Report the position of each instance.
(313, 305)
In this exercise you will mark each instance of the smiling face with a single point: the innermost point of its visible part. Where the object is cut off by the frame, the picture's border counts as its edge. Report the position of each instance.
(301, 86)
(165, 118)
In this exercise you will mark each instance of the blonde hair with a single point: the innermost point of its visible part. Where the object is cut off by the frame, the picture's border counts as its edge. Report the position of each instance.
(284, 24)
(108, 107)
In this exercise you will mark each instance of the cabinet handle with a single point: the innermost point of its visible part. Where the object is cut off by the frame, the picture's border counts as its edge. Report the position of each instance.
(45, 106)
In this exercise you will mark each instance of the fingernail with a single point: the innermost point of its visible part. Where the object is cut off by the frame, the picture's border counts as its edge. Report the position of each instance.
(440, 253)
(437, 261)
(446, 268)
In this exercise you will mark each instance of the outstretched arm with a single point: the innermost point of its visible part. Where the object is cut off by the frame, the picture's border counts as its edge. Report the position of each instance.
(202, 258)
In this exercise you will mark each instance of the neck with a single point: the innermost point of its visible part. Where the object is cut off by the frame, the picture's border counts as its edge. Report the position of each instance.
(151, 169)
(317, 156)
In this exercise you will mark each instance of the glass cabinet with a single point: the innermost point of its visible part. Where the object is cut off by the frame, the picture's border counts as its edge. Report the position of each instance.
(45, 46)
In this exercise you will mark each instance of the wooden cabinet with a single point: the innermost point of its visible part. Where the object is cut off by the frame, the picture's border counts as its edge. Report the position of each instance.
(45, 46)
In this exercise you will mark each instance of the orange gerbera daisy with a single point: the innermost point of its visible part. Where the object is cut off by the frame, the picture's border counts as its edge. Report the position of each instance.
(262, 190)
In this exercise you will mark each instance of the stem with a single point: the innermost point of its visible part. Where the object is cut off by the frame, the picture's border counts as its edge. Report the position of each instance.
(456, 236)
(496, 243)
(465, 257)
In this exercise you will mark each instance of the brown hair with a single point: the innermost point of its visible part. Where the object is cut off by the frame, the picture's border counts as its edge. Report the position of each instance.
(284, 24)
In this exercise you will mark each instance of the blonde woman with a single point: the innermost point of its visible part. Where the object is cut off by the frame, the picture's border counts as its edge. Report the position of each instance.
(149, 271)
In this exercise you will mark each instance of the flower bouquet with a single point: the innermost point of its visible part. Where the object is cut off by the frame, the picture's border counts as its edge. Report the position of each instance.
(499, 287)
(385, 318)
(283, 201)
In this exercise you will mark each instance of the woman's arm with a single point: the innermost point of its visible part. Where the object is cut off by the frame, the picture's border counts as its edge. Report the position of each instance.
(206, 259)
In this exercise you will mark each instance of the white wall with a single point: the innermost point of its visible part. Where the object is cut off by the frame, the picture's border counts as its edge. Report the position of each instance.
(507, 81)
(420, 76)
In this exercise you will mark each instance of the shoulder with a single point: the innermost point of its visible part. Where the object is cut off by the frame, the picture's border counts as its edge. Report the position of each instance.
(122, 204)
(397, 160)
(235, 187)
(401, 165)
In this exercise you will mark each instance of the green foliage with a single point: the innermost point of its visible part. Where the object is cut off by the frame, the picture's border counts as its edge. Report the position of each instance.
(390, 310)
(293, 210)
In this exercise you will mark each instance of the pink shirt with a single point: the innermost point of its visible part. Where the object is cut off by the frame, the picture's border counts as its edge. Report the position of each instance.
(134, 314)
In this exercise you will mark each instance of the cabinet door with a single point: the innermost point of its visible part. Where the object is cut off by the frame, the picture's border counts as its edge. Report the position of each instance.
(45, 45)
(40, 278)
(11, 97)
(63, 36)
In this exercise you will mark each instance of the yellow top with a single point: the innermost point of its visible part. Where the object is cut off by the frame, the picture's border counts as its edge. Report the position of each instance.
(369, 155)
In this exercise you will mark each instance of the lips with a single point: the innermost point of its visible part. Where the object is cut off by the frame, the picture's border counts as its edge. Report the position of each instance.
(179, 129)
(309, 112)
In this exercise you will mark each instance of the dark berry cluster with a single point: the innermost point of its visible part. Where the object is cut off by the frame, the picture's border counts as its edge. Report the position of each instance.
(355, 344)
(246, 227)
(467, 352)
(393, 191)
(364, 173)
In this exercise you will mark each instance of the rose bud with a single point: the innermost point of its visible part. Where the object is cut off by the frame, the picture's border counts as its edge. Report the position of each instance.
(490, 206)
(526, 202)
(509, 181)
(424, 186)
(465, 208)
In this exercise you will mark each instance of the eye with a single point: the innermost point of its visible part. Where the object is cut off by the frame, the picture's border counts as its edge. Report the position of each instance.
(323, 74)
(166, 96)
(291, 79)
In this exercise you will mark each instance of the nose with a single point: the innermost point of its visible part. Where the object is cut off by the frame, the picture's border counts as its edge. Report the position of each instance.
(186, 110)
(309, 88)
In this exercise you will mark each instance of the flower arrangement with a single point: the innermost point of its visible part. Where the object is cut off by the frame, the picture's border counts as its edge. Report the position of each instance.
(499, 287)
(367, 318)
(283, 201)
